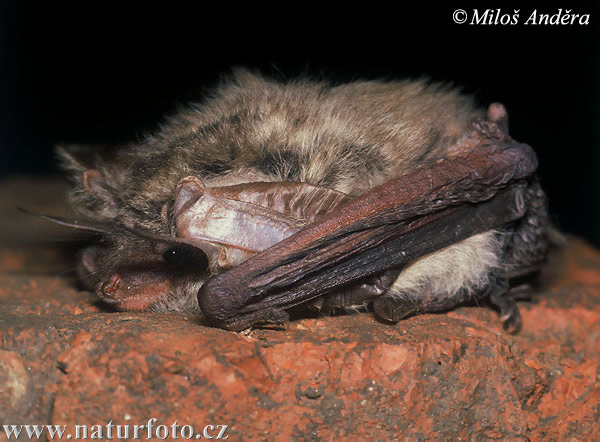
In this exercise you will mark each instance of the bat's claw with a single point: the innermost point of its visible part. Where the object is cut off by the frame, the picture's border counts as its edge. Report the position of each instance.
(505, 299)
(511, 320)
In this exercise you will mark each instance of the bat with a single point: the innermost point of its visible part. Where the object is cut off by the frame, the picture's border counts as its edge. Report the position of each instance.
(402, 197)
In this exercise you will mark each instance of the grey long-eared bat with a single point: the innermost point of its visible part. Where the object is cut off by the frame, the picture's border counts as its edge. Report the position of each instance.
(400, 196)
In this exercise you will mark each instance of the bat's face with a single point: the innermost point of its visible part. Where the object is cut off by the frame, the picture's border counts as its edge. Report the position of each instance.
(212, 231)
(139, 274)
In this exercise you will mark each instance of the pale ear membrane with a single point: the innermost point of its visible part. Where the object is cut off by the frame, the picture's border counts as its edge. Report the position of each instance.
(188, 190)
(94, 183)
(238, 221)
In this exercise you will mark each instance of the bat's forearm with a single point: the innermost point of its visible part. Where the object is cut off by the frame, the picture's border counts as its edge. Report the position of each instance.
(401, 220)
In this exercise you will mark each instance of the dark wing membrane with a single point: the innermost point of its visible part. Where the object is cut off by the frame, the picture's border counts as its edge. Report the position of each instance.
(479, 187)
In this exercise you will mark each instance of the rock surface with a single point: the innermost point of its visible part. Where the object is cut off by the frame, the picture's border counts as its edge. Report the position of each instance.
(67, 360)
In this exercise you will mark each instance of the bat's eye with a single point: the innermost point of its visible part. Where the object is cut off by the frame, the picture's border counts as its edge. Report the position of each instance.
(186, 257)
(173, 256)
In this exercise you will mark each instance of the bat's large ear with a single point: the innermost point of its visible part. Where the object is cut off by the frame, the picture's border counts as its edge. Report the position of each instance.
(90, 184)
(94, 183)
(189, 189)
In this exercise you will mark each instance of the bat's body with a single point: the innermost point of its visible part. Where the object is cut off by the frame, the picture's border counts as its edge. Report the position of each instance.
(347, 139)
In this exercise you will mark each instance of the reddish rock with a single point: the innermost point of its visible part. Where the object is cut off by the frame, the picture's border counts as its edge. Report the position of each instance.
(65, 359)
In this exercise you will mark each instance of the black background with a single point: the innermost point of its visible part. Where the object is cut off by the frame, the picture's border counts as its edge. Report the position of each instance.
(106, 74)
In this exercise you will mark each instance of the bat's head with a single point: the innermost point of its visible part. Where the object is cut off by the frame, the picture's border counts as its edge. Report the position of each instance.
(157, 259)
(137, 273)
(137, 265)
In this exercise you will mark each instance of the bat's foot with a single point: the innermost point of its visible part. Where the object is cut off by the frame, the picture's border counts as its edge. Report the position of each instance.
(505, 298)
(393, 307)
(355, 296)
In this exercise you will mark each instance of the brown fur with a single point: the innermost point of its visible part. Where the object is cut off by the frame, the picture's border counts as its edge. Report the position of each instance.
(349, 137)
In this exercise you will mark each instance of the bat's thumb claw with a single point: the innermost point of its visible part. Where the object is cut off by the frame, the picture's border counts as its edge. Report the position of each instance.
(219, 311)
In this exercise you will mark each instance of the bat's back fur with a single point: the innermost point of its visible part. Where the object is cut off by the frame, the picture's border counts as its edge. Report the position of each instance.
(350, 138)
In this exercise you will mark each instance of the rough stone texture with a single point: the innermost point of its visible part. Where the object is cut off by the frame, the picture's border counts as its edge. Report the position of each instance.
(65, 359)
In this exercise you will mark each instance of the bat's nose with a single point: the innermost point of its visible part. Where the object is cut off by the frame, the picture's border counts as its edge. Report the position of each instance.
(110, 287)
